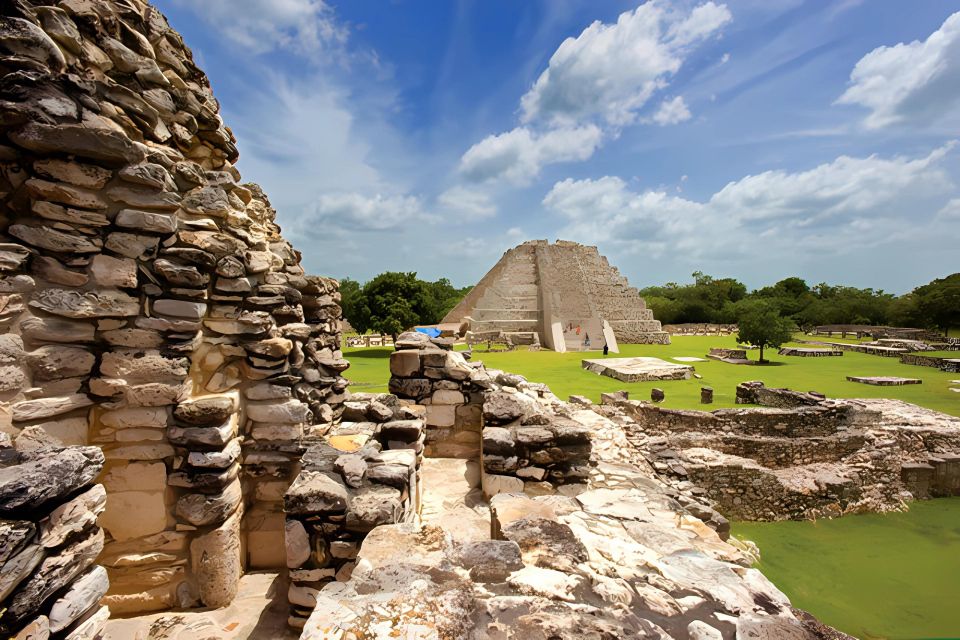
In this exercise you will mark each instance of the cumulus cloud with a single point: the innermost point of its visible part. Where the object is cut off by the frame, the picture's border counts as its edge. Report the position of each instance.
(260, 26)
(351, 211)
(518, 155)
(950, 211)
(916, 82)
(672, 112)
(467, 204)
(845, 203)
(611, 70)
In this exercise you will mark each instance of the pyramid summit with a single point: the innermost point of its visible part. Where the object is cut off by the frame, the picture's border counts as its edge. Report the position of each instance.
(562, 293)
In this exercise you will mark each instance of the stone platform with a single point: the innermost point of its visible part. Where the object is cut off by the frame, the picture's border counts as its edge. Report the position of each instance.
(638, 369)
(884, 381)
(805, 352)
(730, 356)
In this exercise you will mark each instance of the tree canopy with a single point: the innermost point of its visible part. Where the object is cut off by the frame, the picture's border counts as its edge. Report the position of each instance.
(760, 324)
(935, 305)
(395, 301)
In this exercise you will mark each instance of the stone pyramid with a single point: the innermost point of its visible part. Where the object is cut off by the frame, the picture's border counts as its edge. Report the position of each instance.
(551, 290)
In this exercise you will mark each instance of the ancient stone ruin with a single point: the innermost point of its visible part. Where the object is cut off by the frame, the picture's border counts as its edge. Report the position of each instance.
(173, 412)
(150, 308)
(558, 295)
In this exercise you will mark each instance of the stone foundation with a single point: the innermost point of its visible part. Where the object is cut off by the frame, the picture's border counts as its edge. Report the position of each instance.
(803, 457)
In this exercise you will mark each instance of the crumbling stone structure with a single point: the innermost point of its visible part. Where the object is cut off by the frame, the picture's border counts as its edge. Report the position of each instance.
(150, 305)
(800, 456)
(362, 476)
(488, 415)
(50, 584)
(560, 294)
(620, 554)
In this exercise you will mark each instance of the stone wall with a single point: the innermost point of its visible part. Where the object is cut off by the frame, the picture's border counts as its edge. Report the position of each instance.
(498, 418)
(950, 365)
(348, 485)
(50, 540)
(447, 387)
(151, 306)
(820, 458)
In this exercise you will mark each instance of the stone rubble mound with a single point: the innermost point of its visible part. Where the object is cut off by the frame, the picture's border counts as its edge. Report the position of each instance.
(621, 554)
(50, 584)
(800, 456)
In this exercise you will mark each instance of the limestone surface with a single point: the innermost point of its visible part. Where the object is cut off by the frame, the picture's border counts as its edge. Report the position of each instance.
(638, 369)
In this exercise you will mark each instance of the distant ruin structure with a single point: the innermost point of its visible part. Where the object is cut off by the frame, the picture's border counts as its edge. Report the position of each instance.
(559, 295)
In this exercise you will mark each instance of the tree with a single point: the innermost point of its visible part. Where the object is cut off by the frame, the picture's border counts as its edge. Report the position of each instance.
(441, 298)
(938, 302)
(352, 303)
(393, 302)
(761, 325)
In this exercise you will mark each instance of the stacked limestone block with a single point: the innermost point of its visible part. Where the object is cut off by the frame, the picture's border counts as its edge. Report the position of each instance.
(450, 390)
(341, 495)
(528, 445)
(49, 542)
(151, 305)
(519, 428)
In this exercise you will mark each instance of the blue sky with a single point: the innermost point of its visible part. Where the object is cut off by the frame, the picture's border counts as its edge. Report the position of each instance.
(755, 139)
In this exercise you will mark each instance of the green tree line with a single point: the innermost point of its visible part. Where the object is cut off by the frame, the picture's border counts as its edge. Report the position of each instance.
(394, 301)
(935, 305)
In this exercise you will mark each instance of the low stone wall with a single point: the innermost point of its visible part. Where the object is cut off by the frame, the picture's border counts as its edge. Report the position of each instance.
(50, 541)
(755, 392)
(938, 477)
(449, 389)
(800, 422)
(527, 447)
(812, 460)
(950, 365)
(340, 495)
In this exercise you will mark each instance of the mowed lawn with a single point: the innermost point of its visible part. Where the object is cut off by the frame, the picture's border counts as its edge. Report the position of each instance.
(369, 371)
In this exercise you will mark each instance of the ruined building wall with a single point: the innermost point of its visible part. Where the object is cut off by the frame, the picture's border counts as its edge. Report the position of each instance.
(150, 305)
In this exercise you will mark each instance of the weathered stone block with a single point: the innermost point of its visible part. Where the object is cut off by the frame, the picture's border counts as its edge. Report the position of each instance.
(132, 514)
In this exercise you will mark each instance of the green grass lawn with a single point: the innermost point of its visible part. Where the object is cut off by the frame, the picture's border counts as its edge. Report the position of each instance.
(873, 576)
(562, 372)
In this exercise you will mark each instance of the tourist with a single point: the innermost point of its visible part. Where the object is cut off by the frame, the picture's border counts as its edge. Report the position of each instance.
(606, 348)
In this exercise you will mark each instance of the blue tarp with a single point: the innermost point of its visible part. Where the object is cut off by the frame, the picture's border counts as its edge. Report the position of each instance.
(430, 331)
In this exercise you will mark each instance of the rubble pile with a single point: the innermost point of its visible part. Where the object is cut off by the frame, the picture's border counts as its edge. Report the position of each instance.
(50, 584)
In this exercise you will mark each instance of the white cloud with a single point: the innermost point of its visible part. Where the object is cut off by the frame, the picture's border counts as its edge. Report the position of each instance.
(916, 82)
(950, 211)
(672, 112)
(612, 70)
(352, 211)
(467, 204)
(260, 26)
(518, 155)
(846, 203)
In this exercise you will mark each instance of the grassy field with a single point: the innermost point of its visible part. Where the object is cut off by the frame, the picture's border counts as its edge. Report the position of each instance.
(562, 372)
(872, 576)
